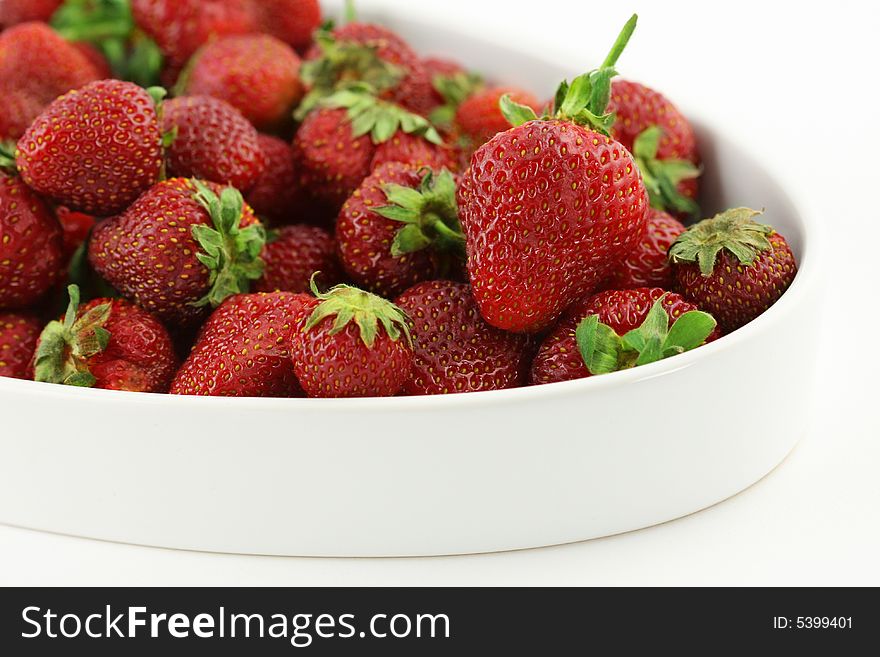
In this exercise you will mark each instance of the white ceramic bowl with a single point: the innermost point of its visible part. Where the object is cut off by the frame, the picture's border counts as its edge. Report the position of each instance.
(437, 475)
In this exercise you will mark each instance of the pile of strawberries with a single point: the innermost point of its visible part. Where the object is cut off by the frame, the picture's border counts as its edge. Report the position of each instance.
(230, 197)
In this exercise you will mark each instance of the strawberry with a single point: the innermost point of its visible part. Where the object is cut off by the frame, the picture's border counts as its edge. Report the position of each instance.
(550, 206)
(400, 227)
(181, 247)
(647, 264)
(243, 350)
(211, 140)
(75, 227)
(292, 21)
(96, 58)
(95, 149)
(732, 266)
(18, 339)
(36, 66)
(454, 349)
(663, 143)
(30, 245)
(415, 151)
(419, 92)
(587, 340)
(276, 194)
(255, 73)
(479, 118)
(335, 145)
(107, 343)
(350, 343)
(294, 254)
(13, 12)
(181, 27)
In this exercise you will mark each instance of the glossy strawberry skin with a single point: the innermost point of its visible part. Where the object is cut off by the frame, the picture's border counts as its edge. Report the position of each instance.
(454, 349)
(276, 193)
(181, 27)
(18, 339)
(298, 252)
(548, 209)
(95, 149)
(214, 142)
(255, 73)
(148, 252)
(414, 151)
(735, 293)
(75, 227)
(558, 357)
(364, 238)
(479, 117)
(292, 21)
(243, 349)
(647, 265)
(36, 66)
(341, 365)
(13, 12)
(31, 256)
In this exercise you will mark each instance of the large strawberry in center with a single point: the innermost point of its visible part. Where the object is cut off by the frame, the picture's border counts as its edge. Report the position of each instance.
(550, 206)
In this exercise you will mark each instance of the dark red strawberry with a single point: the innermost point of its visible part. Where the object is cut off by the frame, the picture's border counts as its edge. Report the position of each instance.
(36, 66)
(400, 227)
(454, 349)
(181, 27)
(647, 265)
(350, 343)
(293, 254)
(550, 206)
(420, 92)
(415, 151)
(479, 116)
(18, 339)
(180, 249)
(564, 356)
(243, 350)
(75, 227)
(90, 52)
(95, 149)
(663, 143)
(211, 140)
(30, 245)
(292, 21)
(107, 343)
(13, 12)
(732, 266)
(255, 73)
(276, 193)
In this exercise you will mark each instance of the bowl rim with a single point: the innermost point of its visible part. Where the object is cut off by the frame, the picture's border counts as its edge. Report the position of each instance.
(804, 281)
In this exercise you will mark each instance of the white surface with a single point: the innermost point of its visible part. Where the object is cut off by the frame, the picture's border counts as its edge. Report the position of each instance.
(814, 520)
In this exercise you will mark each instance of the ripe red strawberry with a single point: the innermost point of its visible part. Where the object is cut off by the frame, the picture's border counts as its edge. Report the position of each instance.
(350, 343)
(294, 254)
(13, 12)
(419, 91)
(414, 151)
(75, 227)
(400, 227)
(561, 356)
(211, 140)
(30, 245)
(454, 349)
(255, 73)
(479, 116)
(181, 27)
(18, 339)
(107, 343)
(95, 149)
(36, 66)
(663, 143)
(243, 350)
(276, 193)
(96, 58)
(550, 206)
(292, 21)
(180, 248)
(732, 266)
(647, 265)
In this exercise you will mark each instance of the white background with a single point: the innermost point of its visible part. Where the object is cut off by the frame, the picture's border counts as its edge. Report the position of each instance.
(799, 79)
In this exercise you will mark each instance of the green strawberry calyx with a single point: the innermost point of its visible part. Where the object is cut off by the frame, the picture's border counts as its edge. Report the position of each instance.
(341, 64)
(7, 157)
(347, 304)
(604, 351)
(454, 90)
(585, 100)
(66, 346)
(379, 118)
(231, 253)
(661, 177)
(429, 215)
(733, 230)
